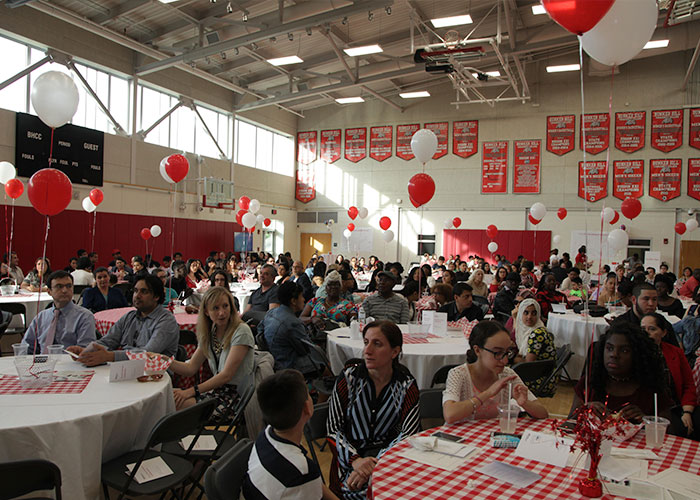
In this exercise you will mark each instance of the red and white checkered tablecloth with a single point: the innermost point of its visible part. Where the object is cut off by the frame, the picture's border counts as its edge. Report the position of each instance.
(410, 339)
(105, 319)
(399, 478)
(9, 384)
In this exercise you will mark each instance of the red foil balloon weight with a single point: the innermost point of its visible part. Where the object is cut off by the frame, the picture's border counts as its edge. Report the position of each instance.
(421, 188)
(145, 233)
(577, 16)
(14, 188)
(385, 223)
(631, 208)
(49, 191)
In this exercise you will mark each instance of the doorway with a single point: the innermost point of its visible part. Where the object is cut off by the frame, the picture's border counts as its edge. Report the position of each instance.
(314, 243)
(690, 255)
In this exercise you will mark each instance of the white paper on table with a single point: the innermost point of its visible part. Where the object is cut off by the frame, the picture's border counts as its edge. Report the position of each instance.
(151, 469)
(546, 448)
(634, 488)
(517, 476)
(205, 442)
(559, 308)
(447, 340)
(678, 481)
(619, 469)
(126, 370)
(438, 460)
(460, 450)
(436, 322)
(643, 454)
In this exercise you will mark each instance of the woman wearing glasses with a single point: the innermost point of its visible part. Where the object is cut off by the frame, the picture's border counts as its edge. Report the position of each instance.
(473, 390)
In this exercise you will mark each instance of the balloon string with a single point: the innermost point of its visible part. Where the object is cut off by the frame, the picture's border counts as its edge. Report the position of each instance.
(7, 240)
(94, 226)
(51, 147)
(172, 235)
(41, 280)
(12, 232)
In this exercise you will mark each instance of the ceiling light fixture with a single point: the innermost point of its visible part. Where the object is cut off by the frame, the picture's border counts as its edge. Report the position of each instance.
(290, 37)
(370, 16)
(349, 100)
(236, 51)
(414, 95)
(254, 46)
(387, 9)
(345, 20)
(443, 22)
(563, 67)
(488, 73)
(363, 51)
(245, 17)
(167, 1)
(223, 55)
(308, 31)
(538, 10)
(229, 8)
(656, 44)
(282, 61)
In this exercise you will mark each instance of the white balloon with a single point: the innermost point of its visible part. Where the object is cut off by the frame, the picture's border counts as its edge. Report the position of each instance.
(447, 224)
(556, 239)
(254, 206)
(156, 230)
(691, 224)
(248, 220)
(388, 235)
(55, 98)
(493, 247)
(347, 234)
(363, 213)
(424, 143)
(622, 33)
(88, 205)
(607, 214)
(260, 218)
(618, 239)
(163, 172)
(538, 210)
(7, 171)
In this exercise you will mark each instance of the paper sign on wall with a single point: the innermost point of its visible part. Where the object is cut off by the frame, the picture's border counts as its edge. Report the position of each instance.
(694, 128)
(652, 259)
(526, 166)
(665, 179)
(404, 134)
(630, 128)
(305, 182)
(561, 132)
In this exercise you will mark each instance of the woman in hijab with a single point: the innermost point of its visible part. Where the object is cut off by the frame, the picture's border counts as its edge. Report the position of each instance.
(533, 340)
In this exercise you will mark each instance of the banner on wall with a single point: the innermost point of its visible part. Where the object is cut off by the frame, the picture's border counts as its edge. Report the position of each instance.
(441, 130)
(630, 128)
(665, 179)
(597, 131)
(494, 167)
(694, 178)
(380, 139)
(330, 145)
(694, 128)
(526, 166)
(628, 179)
(592, 180)
(306, 147)
(667, 129)
(404, 134)
(561, 134)
(465, 138)
(355, 144)
(306, 182)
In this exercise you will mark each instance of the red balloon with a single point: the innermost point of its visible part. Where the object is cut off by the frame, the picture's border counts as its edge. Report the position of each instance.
(631, 208)
(385, 223)
(351, 227)
(352, 212)
(456, 222)
(491, 231)
(561, 213)
(267, 222)
(680, 227)
(239, 216)
(145, 233)
(577, 16)
(14, 188)
(421, 188)
(50, 191)
(615, 218)
(414, 202)
(96, 196)
(533, 220)
(176, 166)
(244, 202)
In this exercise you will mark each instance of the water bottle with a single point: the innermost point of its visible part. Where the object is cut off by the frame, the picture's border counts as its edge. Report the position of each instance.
(361, 317)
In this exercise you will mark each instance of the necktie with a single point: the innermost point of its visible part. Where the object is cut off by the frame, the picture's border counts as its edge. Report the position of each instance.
(51, 332)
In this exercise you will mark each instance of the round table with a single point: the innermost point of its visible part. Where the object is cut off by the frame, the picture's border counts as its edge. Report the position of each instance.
(105, 319)
(422, 356)
(78, 432)
(29, 301)
(243, 291)
(397, 477)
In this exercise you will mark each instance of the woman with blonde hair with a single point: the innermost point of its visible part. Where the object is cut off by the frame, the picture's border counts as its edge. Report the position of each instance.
(476, 281)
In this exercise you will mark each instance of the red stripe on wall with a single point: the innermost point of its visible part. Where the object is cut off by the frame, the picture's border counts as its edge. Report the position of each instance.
(533, 245)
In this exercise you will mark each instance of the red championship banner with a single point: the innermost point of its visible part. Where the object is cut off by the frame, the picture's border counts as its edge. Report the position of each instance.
(494, 167)
(592, 180)
(694, 178)
(404, 134)
(667, 129)
(596, 127)
(380, 139)
(306, 147)
(665, 179)
(628, 179)
(355, 144)
(561, 134)
(630, 128)
(330, 145)
(465, 138)
(441, 130)
(526, 166)
(694, 127)
(306, 182)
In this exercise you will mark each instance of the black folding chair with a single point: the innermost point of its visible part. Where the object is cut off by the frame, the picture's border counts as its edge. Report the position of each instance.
(223, 480)
(440, 376)
(315, 429)
(5, 320)
(16, 309)
(564, 354)
(26, 476)
(530, 371)
(78, 291)
(127, 289)
(430, 403)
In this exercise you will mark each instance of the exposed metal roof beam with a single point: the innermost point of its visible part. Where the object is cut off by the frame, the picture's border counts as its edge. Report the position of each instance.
(120, 10)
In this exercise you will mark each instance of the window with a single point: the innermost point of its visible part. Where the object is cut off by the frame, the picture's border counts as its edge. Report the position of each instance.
(15, 57)
(426, 244)
(273, 237)
(260, 148)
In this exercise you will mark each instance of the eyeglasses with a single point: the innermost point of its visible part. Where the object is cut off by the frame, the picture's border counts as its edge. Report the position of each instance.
(58, 286)
(499, 355)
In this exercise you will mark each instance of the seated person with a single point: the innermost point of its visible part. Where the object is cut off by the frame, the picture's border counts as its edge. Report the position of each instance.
(332, 307)
(670, 305)
(386, 305)
(474, 389)
(139, 268)
(608, 294)
(644, 301)
(626, 372)
(476, 281)
(81, 275)
(263, 299)
(566, 284)
(504, 302)
(228, 345)
(462, 273)
(378, 384)
(278, 466)
(547, 295)
(463, 305)
(62, 323)
(527, 277)
(577, 288)
(195, 274)
(449, 277)
(300, 277)
(178, 282)
(35, 280)
(148, 327)
(498, 280)
(170, 294)
(441, 295)
(102, 296)
(690, 284)
(120, 270)
(410, 293)
(13, 269)
(533, 340)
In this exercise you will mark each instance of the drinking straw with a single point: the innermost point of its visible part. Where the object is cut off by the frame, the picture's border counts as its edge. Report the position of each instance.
(656, 419)
(510, 391)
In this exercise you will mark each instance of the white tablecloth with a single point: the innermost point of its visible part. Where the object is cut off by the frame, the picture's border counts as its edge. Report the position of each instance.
(29, 300)
(243, 293)
(423, 360)
(80, 431)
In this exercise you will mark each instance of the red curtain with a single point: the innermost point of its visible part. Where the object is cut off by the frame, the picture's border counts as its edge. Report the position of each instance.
(533, 245)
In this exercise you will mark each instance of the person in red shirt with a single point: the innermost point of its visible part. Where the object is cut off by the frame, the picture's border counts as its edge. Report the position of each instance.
(690, 285)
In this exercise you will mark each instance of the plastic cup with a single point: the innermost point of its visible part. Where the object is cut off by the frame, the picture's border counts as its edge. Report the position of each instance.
(136, 350)
(20, 349)
(56, 350)
(655, 430)
(508, 418)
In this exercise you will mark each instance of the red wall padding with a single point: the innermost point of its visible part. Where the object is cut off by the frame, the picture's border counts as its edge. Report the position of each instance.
(70, 230)
(467, 242)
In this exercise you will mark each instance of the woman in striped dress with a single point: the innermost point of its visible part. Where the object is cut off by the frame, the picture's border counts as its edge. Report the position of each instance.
(373, 406)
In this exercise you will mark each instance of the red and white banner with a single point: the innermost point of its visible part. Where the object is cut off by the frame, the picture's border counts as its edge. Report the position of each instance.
(465, 138)
(592, 180)
(306, 147)
(630, 128)
(667, 129)
(665, 179)
(404, 134)
(306, 182)
(628, 179)
(355, 144)
(331, 145)
(526, 166)
(441, 130)
(596, 127)
(694, 178)
(694, 127)
(380, 140)
(494, 167)
(561, 134)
